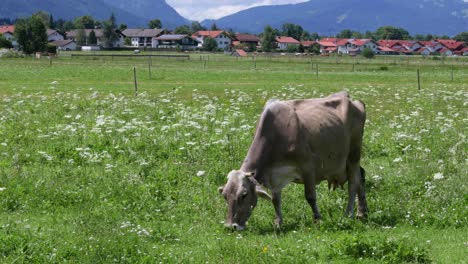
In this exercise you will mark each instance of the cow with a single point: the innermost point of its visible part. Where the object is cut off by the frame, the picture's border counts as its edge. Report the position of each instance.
(302, 141)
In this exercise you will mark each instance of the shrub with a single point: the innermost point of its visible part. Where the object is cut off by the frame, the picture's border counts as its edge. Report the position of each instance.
(51, 49)
(383, 68)
(5, 43)
(368, 53)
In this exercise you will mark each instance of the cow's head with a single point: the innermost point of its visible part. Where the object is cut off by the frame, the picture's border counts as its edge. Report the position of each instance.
(241, 192)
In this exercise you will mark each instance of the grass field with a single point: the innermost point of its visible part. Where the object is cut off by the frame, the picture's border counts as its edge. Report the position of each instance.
(91, 173)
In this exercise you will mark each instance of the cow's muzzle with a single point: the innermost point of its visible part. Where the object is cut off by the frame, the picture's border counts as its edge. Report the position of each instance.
(235, 226)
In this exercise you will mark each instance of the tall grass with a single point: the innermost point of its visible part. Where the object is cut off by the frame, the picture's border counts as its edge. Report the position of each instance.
(90, 173)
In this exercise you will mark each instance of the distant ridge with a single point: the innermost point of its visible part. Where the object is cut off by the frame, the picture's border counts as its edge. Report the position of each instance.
(134, 13)
(329, 17)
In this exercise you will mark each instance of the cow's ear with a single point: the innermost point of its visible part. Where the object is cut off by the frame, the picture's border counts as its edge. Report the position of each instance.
(262, 193)
(221, 189)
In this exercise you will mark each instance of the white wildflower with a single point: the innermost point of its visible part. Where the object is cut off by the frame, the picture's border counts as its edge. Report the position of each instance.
(438, 176)
(397, 159)
(200, 173)
(2, 189)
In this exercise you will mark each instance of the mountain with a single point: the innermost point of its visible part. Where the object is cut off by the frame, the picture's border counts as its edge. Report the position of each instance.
(328, 17)
(151, 9)
(134, 13)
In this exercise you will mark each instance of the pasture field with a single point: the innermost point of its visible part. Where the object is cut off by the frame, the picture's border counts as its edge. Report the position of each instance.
(91, 173)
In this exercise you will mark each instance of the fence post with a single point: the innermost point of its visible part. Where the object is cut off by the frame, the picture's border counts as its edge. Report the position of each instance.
(452, 73)
(316, 70)
(419, 81)
(135, 81)
(149, 67)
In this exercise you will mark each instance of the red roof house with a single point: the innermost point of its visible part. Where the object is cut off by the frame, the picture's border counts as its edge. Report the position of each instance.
(285, 42)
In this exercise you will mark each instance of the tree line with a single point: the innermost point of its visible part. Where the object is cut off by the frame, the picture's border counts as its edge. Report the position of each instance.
(31, 36)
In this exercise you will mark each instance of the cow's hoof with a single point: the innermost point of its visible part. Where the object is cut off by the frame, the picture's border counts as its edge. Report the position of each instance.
(361, 216)
(278, 222)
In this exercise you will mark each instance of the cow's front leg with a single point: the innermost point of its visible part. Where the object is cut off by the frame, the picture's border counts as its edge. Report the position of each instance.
(311, 197)
(276, 199)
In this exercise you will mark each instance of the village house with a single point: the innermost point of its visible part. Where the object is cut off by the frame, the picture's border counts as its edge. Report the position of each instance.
(452, 45)
(358, 45)
(8, 31)
(239, 53)
(173, 41)
(432, 46)
(144, 37)
(285, 42)
(53, 35)
(72, 35)
(64, 44)
(223, 40)
(308, 43)
(246, 39)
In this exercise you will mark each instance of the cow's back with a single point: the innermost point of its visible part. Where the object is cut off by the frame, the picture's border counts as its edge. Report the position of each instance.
(332, 128)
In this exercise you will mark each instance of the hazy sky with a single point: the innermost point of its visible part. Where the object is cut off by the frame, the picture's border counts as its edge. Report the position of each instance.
(203, 9)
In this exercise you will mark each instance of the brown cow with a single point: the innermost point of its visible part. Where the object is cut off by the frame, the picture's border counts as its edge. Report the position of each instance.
(302, 141)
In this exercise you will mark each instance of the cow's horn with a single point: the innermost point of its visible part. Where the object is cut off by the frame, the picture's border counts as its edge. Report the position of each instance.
(249, 174)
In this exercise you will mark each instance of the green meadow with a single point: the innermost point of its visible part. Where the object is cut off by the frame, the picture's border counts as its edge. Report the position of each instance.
(91, 172)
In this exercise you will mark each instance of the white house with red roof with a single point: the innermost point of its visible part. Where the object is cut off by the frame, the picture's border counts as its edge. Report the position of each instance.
(285, 42)
(432, 46)
(451, 44)
(223, 40)
(8, 31)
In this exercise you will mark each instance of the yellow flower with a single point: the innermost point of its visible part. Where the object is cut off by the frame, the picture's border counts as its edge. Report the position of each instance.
(265, 249)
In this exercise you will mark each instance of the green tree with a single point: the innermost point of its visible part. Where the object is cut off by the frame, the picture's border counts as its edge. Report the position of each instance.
(81, 37)
(463, 36)
(210, 44)
(109, 33)
(389, 32)
(345, 33)
(292, 30)
(369, 35)
(357, 35)
(64, 25)
(155, 23)
(127, 41)
(314, 49)
(214, 27)
(301, 48)
(418, 37)
(251, 47)
(368, 53)
(43, 16)
(196, 26)
(5, 43)
(92, 39)
(429, 37)
(268, 39)
(86, 22)
(122, 27)
(314, 36)
(31, 34)
(51, 22)
(182, 30)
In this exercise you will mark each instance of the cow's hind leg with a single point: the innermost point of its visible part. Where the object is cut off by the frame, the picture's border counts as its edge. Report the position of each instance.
(361, 192)
(354, 181)
(311, 195)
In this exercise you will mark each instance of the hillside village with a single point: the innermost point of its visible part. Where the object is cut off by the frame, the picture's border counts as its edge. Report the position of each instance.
(240, 43)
